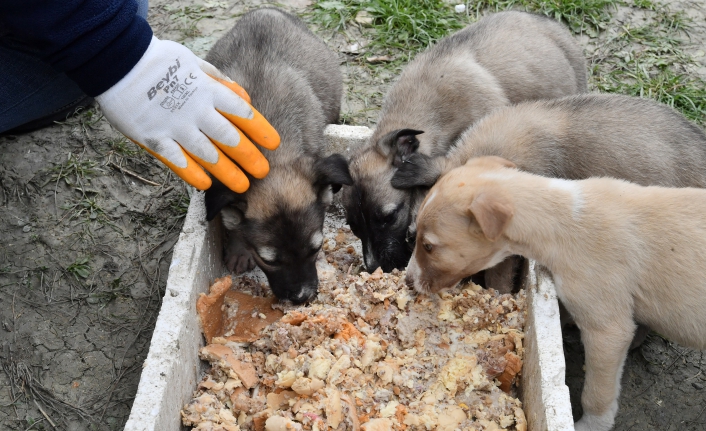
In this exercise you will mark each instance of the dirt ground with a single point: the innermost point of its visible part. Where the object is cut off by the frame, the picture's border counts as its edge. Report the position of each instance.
(88, 223)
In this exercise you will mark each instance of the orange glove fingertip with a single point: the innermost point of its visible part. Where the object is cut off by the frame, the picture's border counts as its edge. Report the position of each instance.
(247, 156)
(226, 172)
(258, 129)
(193, 174)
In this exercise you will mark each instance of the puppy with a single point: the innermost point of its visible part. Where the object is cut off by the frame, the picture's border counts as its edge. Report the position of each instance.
(620, 254)
(577, 137)
(294, 81)
(502, 59)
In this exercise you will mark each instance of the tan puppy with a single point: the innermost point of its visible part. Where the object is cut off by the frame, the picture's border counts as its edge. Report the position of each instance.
(576, 137)
(620, 254)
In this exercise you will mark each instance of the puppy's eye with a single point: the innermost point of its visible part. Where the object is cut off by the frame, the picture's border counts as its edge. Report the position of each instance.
(428, 247)
(389, 218)
(268, 262)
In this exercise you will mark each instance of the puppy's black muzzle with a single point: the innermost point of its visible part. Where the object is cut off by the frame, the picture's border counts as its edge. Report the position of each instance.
(296, 284)
(388, 253)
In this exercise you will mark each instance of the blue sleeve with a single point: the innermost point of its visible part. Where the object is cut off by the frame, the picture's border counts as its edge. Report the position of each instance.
(95, 42)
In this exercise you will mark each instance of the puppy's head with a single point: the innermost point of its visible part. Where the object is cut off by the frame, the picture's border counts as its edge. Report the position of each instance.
(461, 225)
(281, 221)
(377, 213)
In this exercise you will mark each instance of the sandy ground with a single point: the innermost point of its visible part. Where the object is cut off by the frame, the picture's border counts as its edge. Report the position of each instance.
(88, 223)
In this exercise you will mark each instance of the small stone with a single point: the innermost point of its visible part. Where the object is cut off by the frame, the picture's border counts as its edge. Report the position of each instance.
(375, 59)
(460, 8)
(364, 18)
(697, 385)
(352, 49)
(27, 228)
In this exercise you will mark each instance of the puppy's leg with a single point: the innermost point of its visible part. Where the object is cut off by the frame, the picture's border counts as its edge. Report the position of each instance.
(640, 336)
(237, 257)
(606, 349)
(502, 276)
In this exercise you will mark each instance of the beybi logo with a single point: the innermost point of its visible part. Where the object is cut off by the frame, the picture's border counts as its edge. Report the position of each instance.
(165, 81)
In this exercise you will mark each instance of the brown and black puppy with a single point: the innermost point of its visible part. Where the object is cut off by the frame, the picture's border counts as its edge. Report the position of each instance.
(619, 253)
(578, 137)
(502, 59)
(294, 81)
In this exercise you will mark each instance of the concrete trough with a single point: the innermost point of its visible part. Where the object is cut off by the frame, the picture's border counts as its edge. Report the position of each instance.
(172, 368)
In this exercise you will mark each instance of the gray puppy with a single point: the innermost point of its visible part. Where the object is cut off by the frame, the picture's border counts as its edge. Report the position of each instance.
(578, 137)
(502, 59)
(294, 81)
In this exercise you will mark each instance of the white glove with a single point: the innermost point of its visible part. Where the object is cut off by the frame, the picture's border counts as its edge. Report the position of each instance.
(183, 111)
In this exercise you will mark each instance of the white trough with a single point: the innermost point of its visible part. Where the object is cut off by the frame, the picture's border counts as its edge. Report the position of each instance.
(172, 367)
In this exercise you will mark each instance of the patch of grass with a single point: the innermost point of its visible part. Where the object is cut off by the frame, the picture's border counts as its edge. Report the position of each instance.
(645, 4)
(85, 207)
(188, 17)
(88, 118)
(644, 76)
(648, 61)
(87, 210)
(122, 147)
(80, 268)
(179, 205)
(582, 16)
(407, 25)
(73, 170)
(85, 117)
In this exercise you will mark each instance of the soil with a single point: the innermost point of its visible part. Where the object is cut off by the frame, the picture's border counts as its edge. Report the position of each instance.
(88, 222)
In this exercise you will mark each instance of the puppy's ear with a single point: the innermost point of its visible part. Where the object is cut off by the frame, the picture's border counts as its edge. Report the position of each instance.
(493, 213)
(419, 170)
(218, 196)
(399, 144)
(333, 171)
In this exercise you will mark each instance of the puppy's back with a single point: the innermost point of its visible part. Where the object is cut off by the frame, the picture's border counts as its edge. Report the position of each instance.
(504, 58)
(577, 137)
(528, 54)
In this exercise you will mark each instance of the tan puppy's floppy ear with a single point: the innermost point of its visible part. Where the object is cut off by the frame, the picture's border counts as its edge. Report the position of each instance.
(493, 214)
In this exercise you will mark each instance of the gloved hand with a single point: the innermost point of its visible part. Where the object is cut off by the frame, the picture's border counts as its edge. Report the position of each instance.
(182, 110)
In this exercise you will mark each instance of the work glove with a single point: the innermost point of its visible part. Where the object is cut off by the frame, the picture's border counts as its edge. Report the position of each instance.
(187, 114)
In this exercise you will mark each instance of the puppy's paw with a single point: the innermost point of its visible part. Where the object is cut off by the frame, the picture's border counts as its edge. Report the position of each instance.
(640, 336)
(602, 422)
(588, 425)
(240, 263)
(238, 258)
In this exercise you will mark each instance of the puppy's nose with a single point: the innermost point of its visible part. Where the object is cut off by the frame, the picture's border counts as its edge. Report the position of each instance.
(304, 295)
